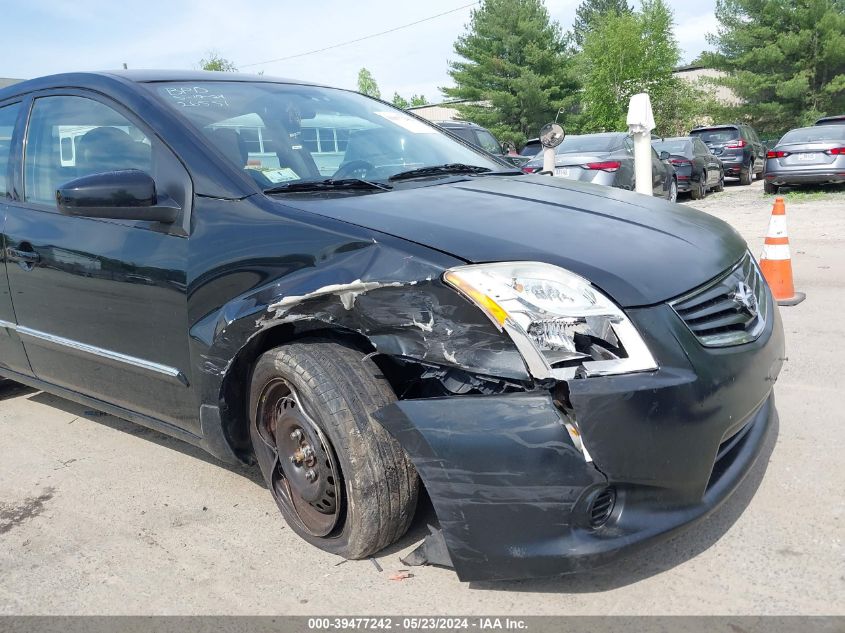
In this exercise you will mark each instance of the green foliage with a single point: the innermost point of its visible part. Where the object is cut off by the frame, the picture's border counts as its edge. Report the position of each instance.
(627, 53)
(588, 13)
(416, 100)
(786, 60)
(513, 69)
(367, 84)
(216, 62)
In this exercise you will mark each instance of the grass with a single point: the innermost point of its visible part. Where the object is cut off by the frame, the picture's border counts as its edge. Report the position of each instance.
(806, 194)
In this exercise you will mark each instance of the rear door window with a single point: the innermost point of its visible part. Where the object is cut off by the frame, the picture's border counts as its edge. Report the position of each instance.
(8, 116)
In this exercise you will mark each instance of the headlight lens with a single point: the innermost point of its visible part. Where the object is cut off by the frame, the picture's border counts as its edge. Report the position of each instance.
(559, 321)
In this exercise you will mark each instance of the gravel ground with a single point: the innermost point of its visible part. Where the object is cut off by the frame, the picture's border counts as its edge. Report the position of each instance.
(98, 516)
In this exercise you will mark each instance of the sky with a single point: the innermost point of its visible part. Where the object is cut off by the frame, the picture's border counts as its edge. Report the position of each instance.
(42, 37)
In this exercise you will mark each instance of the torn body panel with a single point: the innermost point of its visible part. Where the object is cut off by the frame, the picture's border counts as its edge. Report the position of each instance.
(514, 493)
(353, 280)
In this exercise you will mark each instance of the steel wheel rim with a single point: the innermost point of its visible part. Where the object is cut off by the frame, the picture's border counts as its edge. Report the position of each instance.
(314, 500)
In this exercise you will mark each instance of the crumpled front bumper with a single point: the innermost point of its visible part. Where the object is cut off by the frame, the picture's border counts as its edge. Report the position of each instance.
(512, 491)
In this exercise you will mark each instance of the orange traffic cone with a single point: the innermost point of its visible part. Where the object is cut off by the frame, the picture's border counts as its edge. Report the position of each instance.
(775, 262)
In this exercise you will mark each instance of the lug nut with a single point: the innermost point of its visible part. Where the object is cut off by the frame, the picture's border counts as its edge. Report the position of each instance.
(296, 435)
(310, 475)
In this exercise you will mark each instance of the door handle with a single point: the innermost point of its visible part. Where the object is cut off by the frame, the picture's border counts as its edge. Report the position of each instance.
(19, 255)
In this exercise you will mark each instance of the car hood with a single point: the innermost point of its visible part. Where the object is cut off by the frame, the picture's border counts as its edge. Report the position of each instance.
(638, 249)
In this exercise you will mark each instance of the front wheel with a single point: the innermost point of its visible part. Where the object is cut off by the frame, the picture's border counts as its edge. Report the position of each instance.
(341, 481)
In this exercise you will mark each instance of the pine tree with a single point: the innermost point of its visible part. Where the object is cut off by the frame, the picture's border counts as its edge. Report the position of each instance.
(589, 14)
(514, 69)
(786, 60)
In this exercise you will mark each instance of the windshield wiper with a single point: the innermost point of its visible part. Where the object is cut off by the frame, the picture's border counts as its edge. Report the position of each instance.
(438, 170)
(328, 185)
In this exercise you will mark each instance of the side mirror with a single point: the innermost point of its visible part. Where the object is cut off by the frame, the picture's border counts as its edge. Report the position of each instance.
(119, 195)
(664, 155)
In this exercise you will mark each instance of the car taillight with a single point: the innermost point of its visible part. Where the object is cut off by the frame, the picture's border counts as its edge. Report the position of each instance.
(776, 154)
(607, 165)
(680, 161)
(836, 151)
(530, 170)
(736, 144)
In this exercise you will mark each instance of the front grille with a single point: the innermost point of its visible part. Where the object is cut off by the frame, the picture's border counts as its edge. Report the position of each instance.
(730, 310)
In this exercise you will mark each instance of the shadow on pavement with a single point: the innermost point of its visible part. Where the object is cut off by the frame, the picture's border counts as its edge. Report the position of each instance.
(250, 472)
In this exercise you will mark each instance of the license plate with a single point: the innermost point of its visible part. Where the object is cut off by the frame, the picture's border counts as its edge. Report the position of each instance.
(807, 156)
(562, 172)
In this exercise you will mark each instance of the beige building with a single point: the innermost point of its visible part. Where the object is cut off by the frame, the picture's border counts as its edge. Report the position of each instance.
(699, 75)
(438, 111)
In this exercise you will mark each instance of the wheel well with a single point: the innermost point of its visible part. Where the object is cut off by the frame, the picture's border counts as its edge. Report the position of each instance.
(234, 392)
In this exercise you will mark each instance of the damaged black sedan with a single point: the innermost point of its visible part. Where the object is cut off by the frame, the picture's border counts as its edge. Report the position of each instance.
(315, 280)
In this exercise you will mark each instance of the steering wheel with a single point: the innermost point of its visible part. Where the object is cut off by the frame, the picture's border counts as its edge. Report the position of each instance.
(354, 169)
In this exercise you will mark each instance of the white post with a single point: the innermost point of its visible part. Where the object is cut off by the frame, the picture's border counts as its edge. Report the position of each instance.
(549, 159)
(640, 124)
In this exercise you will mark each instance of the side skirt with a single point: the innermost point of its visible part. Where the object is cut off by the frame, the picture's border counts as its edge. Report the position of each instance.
(94, 403)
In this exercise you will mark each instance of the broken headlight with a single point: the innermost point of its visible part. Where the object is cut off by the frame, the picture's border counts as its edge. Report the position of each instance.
(560, 322)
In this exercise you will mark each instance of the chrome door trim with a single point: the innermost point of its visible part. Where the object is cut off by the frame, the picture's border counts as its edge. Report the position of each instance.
(140, 363)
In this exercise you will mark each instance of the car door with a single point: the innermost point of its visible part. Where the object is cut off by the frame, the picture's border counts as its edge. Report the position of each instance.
(100, 303)
(703, 161)
(12, 354)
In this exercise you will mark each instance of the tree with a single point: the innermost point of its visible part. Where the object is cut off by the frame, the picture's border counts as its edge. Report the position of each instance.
(589, 12)
(367, 84)
(627, 53)
(216, 62)
(785, 60)
(416, 100)
(514, 71)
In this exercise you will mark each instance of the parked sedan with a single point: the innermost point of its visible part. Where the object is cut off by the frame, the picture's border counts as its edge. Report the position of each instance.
(737, 145)
(807, 155)
(606, 159)
(571, 372)
(696, 168)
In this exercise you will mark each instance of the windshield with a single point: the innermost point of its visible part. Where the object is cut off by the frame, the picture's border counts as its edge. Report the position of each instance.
(285, 133)
(590, 143)
(672, 146)
(720, 135)
(814, 135)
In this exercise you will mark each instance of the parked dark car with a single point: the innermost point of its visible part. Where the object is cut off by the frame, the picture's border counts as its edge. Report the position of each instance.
(606, 159)
(424, 317)
(837, 119)
(737, 145)
(808, 155)
(480, 137)
(697, 169)
(532, 147)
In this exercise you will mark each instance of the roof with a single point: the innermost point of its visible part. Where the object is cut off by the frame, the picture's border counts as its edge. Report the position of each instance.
(444, 104)
(6, 81)
(140, 76)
